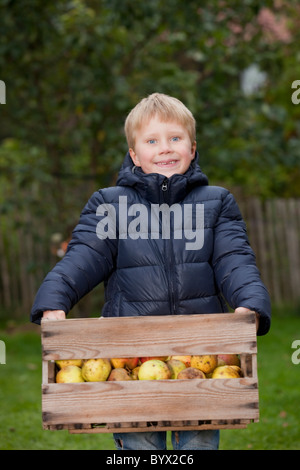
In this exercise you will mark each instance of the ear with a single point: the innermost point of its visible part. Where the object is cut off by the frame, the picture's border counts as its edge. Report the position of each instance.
(134, 157)
(194, 146)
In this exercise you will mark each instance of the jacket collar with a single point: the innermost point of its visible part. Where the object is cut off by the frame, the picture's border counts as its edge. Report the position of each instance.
(157, 188)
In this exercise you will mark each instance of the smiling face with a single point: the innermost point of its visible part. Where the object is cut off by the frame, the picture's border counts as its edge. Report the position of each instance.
(162, 147)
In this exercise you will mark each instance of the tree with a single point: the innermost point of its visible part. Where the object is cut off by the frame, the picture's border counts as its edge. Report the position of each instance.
(75, 69)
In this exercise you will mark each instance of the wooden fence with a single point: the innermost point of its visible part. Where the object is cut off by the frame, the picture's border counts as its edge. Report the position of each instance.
(273, 228)
(274, 233)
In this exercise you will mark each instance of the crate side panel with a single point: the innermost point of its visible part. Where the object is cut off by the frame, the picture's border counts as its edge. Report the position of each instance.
(110, 402)
(149, 336)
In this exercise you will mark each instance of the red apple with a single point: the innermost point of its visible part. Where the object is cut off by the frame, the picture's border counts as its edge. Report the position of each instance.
(119, 374)
(228, 360)
(132, 362)
(185, 359)
(122, 362)
(159, 358)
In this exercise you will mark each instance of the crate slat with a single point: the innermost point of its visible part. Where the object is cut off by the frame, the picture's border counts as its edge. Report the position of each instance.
(167, 400)
(145, 336)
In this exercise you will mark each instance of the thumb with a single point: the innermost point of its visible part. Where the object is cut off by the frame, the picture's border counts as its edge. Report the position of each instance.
(245, 310)
(242, 310)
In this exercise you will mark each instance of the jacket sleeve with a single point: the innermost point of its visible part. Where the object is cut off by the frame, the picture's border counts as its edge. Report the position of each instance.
(87, 262)
(234, 263)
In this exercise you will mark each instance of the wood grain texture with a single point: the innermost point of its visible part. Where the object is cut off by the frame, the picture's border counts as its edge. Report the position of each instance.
(110, 402)
(148, 336)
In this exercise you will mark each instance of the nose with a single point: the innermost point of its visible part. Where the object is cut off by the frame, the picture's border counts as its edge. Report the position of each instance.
(165, 146)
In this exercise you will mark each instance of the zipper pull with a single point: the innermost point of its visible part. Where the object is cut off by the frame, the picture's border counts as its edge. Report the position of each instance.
(164, 186)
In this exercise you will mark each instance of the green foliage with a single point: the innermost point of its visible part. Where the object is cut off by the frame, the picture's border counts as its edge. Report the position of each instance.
(74, 69)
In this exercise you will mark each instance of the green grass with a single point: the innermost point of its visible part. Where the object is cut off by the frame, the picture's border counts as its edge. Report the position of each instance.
(279, 379)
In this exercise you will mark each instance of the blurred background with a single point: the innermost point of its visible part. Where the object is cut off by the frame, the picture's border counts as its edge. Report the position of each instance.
(74, 69)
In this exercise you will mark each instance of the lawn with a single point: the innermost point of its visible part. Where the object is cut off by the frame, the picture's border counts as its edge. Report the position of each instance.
(279, 385)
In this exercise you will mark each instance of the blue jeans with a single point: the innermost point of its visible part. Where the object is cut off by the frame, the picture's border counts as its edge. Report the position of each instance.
(181, 440)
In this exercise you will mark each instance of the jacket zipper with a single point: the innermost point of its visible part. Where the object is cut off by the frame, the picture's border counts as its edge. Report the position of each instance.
(164, 188)
(169, 258)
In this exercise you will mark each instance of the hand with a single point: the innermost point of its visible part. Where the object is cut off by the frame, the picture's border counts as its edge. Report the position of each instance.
(245, 310)
(54, 315)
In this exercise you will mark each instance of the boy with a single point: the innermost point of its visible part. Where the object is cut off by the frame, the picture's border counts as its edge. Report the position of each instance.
(163, 241)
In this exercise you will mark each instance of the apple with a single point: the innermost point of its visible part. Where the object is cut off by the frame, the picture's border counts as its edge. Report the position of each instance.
(119, 374)
(118, 362)
(159, 358)
(154, 369)
(239, 370)
(129, 362)
(206, 363)
(191, 373)
(228, 360)
(96, 370)
(135, 373)
(175, 366)
(225, 372)
(69, 374)
(185, 359)
(132, 362)
(69, 362)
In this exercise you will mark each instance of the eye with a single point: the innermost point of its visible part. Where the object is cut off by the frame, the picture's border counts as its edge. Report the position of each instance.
(175, 139)
(151, 141)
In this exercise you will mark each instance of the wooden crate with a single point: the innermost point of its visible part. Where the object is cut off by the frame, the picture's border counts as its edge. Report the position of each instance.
(132, 406)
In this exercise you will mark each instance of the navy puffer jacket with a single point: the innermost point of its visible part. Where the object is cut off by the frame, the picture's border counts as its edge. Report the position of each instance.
(123, 240)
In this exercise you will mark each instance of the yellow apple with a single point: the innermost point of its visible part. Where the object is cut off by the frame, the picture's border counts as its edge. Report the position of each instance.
(206, 363)
(69, 374)
(238, 370)
(154, 369)
(225, 372)
(69, 362)
(135, 373)
(96, 370)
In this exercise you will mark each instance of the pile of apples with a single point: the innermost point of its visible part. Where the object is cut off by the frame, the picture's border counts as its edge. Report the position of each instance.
(149, 368)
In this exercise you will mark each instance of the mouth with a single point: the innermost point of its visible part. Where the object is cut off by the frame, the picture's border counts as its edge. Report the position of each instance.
(167, 163)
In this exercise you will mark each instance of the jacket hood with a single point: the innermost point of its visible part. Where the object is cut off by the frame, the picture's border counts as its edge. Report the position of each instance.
(150, 185)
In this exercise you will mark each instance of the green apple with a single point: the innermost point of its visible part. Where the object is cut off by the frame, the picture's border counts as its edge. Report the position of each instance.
(175, 366)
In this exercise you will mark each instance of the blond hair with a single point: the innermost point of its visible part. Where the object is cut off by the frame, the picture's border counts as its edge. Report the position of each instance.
(167, 108)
